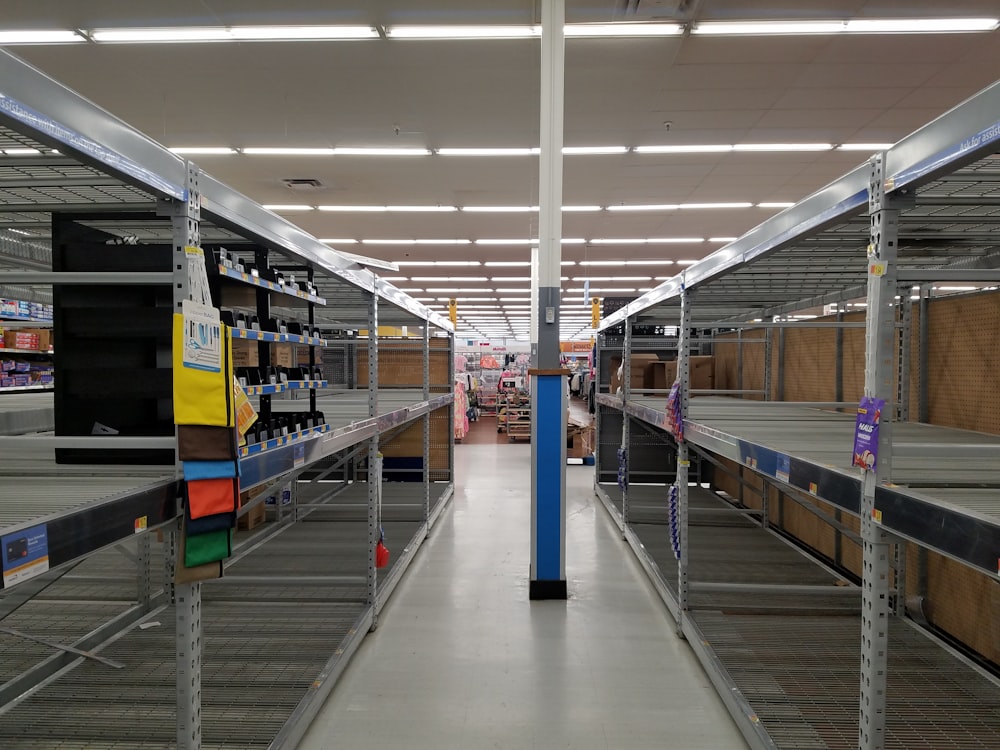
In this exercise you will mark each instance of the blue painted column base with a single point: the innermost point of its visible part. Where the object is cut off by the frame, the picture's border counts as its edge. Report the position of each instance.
(548, 485)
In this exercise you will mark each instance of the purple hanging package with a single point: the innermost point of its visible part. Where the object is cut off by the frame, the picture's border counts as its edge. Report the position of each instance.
(866, 432)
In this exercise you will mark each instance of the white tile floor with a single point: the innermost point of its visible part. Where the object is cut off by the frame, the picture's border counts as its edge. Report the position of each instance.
(462, 659)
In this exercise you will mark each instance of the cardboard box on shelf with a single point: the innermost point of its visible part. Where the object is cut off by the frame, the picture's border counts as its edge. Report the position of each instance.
(44, 339)
(245, 353)
(281, 355)
(253, 517)
(660, 376)
(702, 373)
(579, 442)
(14, 339)
(637, 371)
(257, 514)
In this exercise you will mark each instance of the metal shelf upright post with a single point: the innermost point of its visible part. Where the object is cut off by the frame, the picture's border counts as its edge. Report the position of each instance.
(426, 419)
(880, 372)
(374, 475)
(626, 386)
(683, 457)
(185, 218)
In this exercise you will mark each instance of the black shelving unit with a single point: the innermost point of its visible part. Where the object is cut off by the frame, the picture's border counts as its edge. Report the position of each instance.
(113, 370)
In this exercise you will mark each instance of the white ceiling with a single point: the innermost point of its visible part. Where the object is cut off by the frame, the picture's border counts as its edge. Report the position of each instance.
(620, 92)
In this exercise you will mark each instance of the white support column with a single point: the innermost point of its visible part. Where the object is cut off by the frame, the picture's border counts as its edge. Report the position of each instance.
(880, 372)
(683, 458)
(550, 179)
(374, 475)
(185, 217)
(547, 571)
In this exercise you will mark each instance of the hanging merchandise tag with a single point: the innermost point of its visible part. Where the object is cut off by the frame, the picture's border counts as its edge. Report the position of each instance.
(202, 337)
(866, 432)
(198, 289)
(246, 415)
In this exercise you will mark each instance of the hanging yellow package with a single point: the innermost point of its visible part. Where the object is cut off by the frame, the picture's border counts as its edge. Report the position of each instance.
(203, 368)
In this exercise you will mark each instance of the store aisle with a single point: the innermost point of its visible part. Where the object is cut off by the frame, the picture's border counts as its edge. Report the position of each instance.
(463, 660)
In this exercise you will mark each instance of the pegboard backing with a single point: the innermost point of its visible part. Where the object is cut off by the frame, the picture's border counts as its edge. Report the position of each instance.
(854, 359)
(963, 361)
(962, 602)
(401, 362)
(727, 355)
(410, 444)
(810, 370)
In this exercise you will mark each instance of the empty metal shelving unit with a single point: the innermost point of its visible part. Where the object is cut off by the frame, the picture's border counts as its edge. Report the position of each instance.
(102, 646)
(833, 607)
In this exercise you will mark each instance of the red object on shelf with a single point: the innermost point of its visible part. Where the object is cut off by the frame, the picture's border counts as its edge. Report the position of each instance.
(381, 555)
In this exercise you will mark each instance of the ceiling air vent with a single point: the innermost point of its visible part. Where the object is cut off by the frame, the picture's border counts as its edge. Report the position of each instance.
(302, 183)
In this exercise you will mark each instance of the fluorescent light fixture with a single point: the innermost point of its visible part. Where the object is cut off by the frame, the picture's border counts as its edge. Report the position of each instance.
(572, 241)
(566, 263)
(758, 28)
(591, 150)
(723, 239)
(302, 33)
(506, 242)
(500, 209)
(956, 288)
(629, 241)
(287, 207)
(21, 232)
(674, 240)
(716, 205)
(421, 209)
(612, 278)
(342, 241)
(40, 36)
(276, 151)
(509, 279)
(358, 209)
(417, 242)
(919, 25)
(776, 204)
(782, 147)
(455, 263)
(232, 34)
(622, 29)
(21, 151)
(694, 148)
(462, 32)
(626, 262)
(394, 279)
(204, 150)
(607, 290)
(352, 151)
(646, 207)
(510, 299)
(488, 151)
(580, 209)
(388, 242)
(867, 147)
(163, 34)
(507, 263)
(449, 278)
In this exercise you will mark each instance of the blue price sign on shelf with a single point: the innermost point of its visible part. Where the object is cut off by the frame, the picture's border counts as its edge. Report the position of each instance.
(25, 554)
